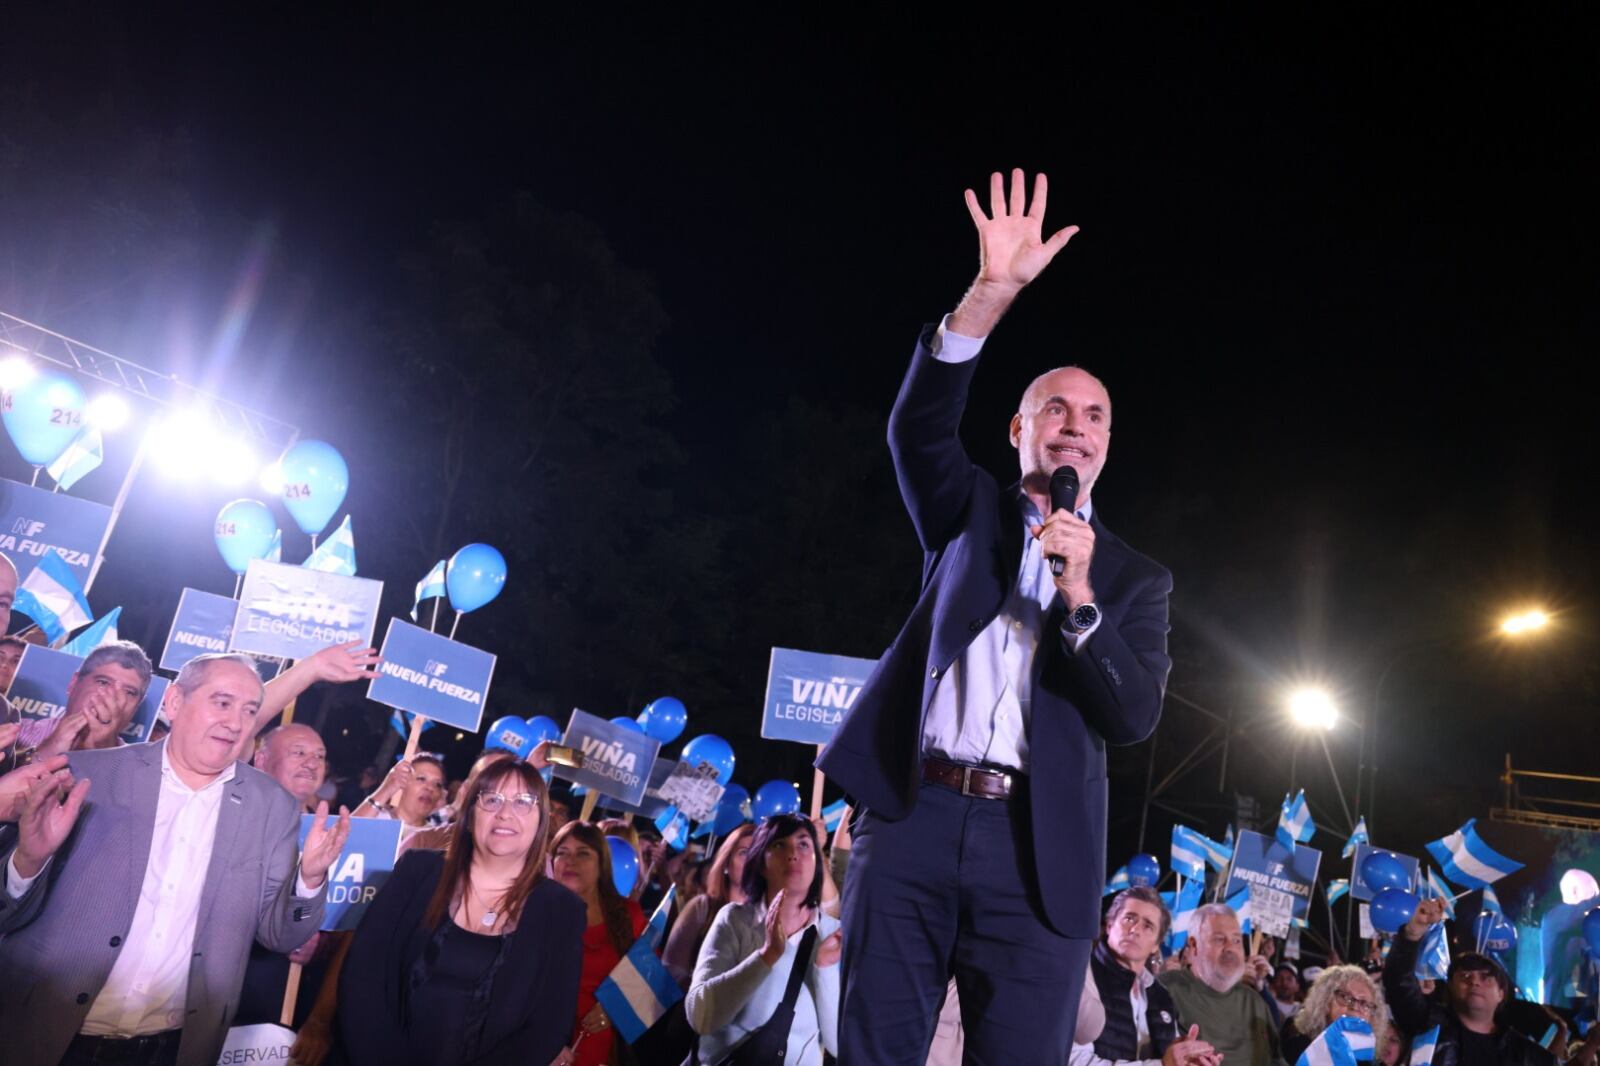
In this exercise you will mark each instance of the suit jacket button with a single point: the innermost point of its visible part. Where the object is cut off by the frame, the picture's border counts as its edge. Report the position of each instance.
(934, 673)
(83, 997)
(116, 941)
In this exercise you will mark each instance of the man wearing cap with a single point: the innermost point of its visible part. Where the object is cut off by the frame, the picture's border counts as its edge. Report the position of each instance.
(1471, 1032)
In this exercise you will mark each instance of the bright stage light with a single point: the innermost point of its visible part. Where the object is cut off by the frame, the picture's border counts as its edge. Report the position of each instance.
(1313, 708)
(108, 412)
(1526, 622)
(16, 371)
(189, 444)
(233, 462)
(272, 479)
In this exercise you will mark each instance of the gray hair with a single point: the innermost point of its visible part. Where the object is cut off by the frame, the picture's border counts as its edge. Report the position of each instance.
(1318, 1009)
(123, 653)
(1208, 911)
(196, 670)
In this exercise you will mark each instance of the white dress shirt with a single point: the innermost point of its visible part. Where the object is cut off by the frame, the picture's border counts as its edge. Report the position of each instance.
(981, 706)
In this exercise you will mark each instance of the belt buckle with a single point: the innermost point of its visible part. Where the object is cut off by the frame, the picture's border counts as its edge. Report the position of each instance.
(966, 781)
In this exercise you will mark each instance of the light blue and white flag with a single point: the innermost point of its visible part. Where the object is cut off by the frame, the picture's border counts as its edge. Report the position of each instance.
(1468, 861)
(401, 723)
(1491, 902)
(640, 990)
(1345, 1042)
(275, 553)
(102, 632)
(430, 586)
(1337, 888)
(53, 598)
(833, 814)
(1294, 821)
(1433, 956)
(1422, 1047)
(337, 554)
(1435, 888)
(1188, 853)
(1184, 904)
(1118, 882)
(1359, 836)
(1218, 855)
(674, 827)
(86, 452)
(1240, 904)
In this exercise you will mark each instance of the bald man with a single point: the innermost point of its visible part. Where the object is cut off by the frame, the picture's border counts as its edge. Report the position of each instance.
(295, 757)
(975, 754)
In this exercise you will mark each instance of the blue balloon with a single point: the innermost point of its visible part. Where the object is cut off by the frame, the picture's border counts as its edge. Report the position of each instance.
(1383, 869)
(624, 865)
(775, 797)
(730, 810)
(1391, 908)
(627, 723)
(1591, 929)
(315, 480)
(510, 734)
(544, 729)
(43, 414)
(475, 576)
(664, 719)
(244, 531)
(1144, 870)
(710, 748)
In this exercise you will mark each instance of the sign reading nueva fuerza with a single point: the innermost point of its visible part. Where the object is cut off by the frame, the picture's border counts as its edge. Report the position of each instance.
(433, 676)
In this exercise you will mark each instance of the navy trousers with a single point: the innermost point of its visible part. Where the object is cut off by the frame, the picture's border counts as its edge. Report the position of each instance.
(949, 889)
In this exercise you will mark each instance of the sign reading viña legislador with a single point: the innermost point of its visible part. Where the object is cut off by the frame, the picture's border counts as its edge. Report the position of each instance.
(808, 694)
(291, 612)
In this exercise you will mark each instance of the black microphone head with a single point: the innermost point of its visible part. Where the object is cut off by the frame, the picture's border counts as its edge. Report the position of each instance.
(1064, 489)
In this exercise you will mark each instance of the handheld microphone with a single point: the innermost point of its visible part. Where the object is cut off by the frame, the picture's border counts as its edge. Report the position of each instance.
(1063, 497)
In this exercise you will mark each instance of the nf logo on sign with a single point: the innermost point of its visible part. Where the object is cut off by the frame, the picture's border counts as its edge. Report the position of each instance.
(27, 527)
(617, 761)
(433, 676)
(33, 521)
(1263, 866)
(361, 869)
(290, 613)
(808, 694)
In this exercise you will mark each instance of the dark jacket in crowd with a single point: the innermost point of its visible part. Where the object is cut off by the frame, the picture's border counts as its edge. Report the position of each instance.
(1119, 1040)
(1415, 1014)
(522, 1010)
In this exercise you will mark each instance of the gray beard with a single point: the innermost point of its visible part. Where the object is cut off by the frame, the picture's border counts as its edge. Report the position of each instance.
(1221, 981)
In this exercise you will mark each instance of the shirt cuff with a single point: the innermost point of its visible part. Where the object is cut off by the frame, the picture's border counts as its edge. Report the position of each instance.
(303, 890)
(951, 347)
(1074, 639)
(16, 885)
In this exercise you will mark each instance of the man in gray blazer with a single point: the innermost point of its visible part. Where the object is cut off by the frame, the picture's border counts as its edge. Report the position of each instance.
(125, 922)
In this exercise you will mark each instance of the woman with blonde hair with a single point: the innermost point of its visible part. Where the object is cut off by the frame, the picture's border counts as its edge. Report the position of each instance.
(1338, 992)
(722, 888)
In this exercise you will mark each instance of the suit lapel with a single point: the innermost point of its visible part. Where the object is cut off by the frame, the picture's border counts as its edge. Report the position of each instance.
(230, 817)
(1010, 547)
(139, 795)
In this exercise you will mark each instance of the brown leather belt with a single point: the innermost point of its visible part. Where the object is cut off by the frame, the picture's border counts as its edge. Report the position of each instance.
(976, 781)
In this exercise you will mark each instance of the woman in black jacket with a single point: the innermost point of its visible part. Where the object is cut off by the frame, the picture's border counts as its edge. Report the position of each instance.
(472, 955)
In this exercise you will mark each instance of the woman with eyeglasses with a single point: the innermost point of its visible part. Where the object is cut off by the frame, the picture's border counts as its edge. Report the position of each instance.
(470, 955)
(580, 859)
(1338, 992)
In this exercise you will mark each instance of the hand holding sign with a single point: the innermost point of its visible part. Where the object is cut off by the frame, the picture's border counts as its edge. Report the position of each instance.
(323, 844)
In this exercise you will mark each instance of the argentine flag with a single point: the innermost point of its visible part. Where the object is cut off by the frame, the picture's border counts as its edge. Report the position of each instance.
(86, 452)
(674, 827)
(430, 586)
(1468, 861)
(1188, 854)
(275, 553)
(1294, 821)
(1491, 902)
(1422, 1047)
(1118, 882)
(1240, 904)
(640, 990)
(337, 554)
(1337, 888)
(1359, 836)
(1435, 888)
(1345, 1042)
(102, 632)
(402, 725)
(833, 814)
(53, 598)
(1433, 957)
(1218, 856)
(1184, 905)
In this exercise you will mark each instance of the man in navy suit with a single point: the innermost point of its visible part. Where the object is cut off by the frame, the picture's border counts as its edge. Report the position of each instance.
(975, 755)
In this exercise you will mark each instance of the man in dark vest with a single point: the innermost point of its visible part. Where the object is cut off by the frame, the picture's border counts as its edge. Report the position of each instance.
(1141, 1021)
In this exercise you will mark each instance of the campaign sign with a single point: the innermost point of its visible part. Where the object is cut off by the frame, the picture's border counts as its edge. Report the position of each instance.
(652, 804)
(694, 790)
(202, 626)
(290, 612)
(1260, 863)
(33, 521)
(432, 675)
(617, 761)
(360, 870)
(808, 693)
(1358, 885)
(40, 690)
(252, 1045)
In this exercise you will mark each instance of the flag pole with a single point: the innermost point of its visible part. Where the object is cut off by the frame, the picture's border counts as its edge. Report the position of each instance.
(433, 623)
(454, 624)
(291, 993)
(116, 507)
(816, 788)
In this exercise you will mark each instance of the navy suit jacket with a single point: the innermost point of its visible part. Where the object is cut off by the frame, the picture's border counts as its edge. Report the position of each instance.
(1110, 691)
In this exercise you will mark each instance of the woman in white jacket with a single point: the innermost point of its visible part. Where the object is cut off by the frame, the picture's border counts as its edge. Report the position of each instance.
(745, 962)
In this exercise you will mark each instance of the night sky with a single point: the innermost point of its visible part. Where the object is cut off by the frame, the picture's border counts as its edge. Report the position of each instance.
(631, 298)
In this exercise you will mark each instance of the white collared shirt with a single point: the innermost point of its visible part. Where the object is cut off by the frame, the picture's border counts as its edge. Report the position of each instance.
(1138, 999)
(980, 708)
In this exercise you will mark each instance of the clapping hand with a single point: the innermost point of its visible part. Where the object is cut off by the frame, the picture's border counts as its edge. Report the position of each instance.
(323, 844)
(830, 949)
(15, 786)
(47, 819)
